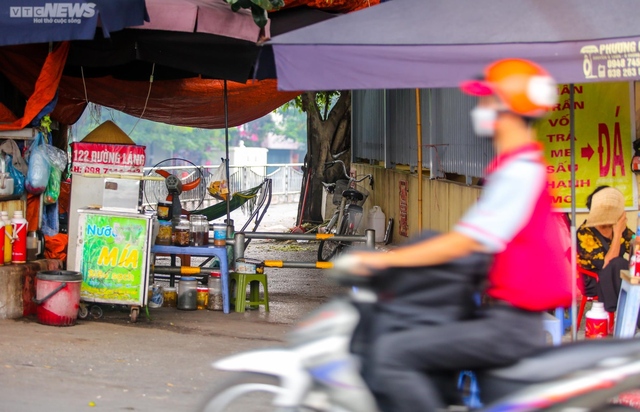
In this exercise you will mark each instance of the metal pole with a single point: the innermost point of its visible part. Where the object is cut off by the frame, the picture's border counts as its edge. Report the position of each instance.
(419, 143)
(283, 264)
(574, 245)
(184, 270)
(305, 236)
(370, 234)
(226, 144)
(238, 245)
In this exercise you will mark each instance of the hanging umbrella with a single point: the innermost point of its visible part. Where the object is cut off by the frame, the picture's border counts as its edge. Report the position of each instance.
(42, 21)
(188, 45)
(404, 44)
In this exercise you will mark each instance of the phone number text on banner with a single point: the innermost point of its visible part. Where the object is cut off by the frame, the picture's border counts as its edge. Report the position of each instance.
(107, 158)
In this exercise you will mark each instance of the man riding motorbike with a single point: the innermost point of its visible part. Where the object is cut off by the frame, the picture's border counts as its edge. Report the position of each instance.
(513, 221)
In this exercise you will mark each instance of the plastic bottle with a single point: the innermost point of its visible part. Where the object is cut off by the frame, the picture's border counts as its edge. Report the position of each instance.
(2, 236)
(635, 257)
(632, 257)
(376, 220)
(8, 233)
(19, 245)
(597, 322)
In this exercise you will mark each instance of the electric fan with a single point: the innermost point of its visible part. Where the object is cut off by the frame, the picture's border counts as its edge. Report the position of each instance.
(183, 185)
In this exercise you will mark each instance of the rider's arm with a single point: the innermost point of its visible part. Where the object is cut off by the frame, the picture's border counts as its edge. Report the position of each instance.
(503, 209)
(433, 251)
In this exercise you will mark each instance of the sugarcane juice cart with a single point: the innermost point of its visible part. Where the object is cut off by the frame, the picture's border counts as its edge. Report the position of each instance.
(113, 252)
(110, 238)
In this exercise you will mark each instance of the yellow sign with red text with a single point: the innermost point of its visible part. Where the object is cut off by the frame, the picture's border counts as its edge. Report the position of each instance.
(604, 131)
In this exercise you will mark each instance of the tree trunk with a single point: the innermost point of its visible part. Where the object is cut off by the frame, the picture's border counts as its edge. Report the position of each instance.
(326, 137)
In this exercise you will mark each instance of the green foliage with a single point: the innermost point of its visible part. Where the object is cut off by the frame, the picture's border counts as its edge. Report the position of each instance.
(258, 8)
(196, 145)
(200, 146)
(293, 125)
(324, 101)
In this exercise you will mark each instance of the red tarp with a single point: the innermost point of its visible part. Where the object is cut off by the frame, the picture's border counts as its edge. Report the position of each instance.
(48, 76)
(343, 6)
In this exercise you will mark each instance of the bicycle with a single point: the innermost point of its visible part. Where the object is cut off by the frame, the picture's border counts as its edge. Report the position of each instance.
(345, 221)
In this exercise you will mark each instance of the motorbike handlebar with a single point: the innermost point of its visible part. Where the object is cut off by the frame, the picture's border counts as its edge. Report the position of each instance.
(342, 272)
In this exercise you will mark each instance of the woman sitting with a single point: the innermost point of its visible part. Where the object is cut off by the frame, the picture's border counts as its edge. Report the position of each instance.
(603, 239)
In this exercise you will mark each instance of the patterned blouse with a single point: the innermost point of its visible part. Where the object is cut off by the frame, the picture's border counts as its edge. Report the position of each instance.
(591, 251)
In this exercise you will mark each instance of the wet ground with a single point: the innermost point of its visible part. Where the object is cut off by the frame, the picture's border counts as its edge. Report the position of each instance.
(161, 364)
(157, 364)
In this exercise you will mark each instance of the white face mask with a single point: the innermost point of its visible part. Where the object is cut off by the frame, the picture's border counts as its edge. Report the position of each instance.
(484, 121)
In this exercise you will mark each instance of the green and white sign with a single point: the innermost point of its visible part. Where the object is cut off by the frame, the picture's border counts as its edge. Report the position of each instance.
(113, 258)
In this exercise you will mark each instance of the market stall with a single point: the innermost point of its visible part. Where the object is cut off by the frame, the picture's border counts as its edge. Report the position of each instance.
(112, 236)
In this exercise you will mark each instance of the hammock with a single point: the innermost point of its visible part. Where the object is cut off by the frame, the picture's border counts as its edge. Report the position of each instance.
(243, 198)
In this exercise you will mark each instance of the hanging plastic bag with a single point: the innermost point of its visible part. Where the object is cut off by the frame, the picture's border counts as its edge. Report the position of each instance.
(58, 160)
(18, 178)
(39, 167)
(57, 157)
(218, 187)
(53, 186)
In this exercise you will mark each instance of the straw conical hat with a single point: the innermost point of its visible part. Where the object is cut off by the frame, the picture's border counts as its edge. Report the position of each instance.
(108, 132)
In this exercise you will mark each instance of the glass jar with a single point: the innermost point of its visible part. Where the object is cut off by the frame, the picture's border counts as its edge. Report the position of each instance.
(170, 296)
(187, 293)
(181, 232)
(219, 235)
(202, 297)
(215, 292)
(164, 210)
(199, 226)
(164, 233)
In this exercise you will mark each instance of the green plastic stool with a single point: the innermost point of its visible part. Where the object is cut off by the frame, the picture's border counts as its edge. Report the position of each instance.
(253, 280)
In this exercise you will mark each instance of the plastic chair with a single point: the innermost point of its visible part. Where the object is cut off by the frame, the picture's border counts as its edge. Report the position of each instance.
(253, 280)
(584, 299)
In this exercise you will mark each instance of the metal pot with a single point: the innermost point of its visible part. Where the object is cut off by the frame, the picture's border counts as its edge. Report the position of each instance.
(35, 245)
(6, 184)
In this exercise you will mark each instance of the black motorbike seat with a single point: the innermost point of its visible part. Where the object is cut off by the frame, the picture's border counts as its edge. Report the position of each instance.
(353, 195)
(556, 361)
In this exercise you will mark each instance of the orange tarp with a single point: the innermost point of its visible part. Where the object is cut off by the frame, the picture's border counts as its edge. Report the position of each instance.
(188, 102)
(191, 102)
(45, 87)
(343, 6)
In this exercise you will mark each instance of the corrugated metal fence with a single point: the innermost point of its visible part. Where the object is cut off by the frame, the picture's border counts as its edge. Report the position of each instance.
(384, 130)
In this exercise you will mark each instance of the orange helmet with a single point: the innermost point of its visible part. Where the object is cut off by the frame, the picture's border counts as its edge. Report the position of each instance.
(523, 86)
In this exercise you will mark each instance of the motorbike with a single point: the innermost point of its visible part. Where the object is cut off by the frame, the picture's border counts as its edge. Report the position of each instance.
(320, 368)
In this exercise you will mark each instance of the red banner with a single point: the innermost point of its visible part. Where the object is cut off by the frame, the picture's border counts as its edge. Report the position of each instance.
(404, 208)
(107, 158)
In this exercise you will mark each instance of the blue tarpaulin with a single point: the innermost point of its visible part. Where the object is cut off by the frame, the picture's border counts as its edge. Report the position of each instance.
(41, 21)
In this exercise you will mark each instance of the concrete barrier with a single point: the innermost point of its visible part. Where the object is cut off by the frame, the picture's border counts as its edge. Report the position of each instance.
(18, 287)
